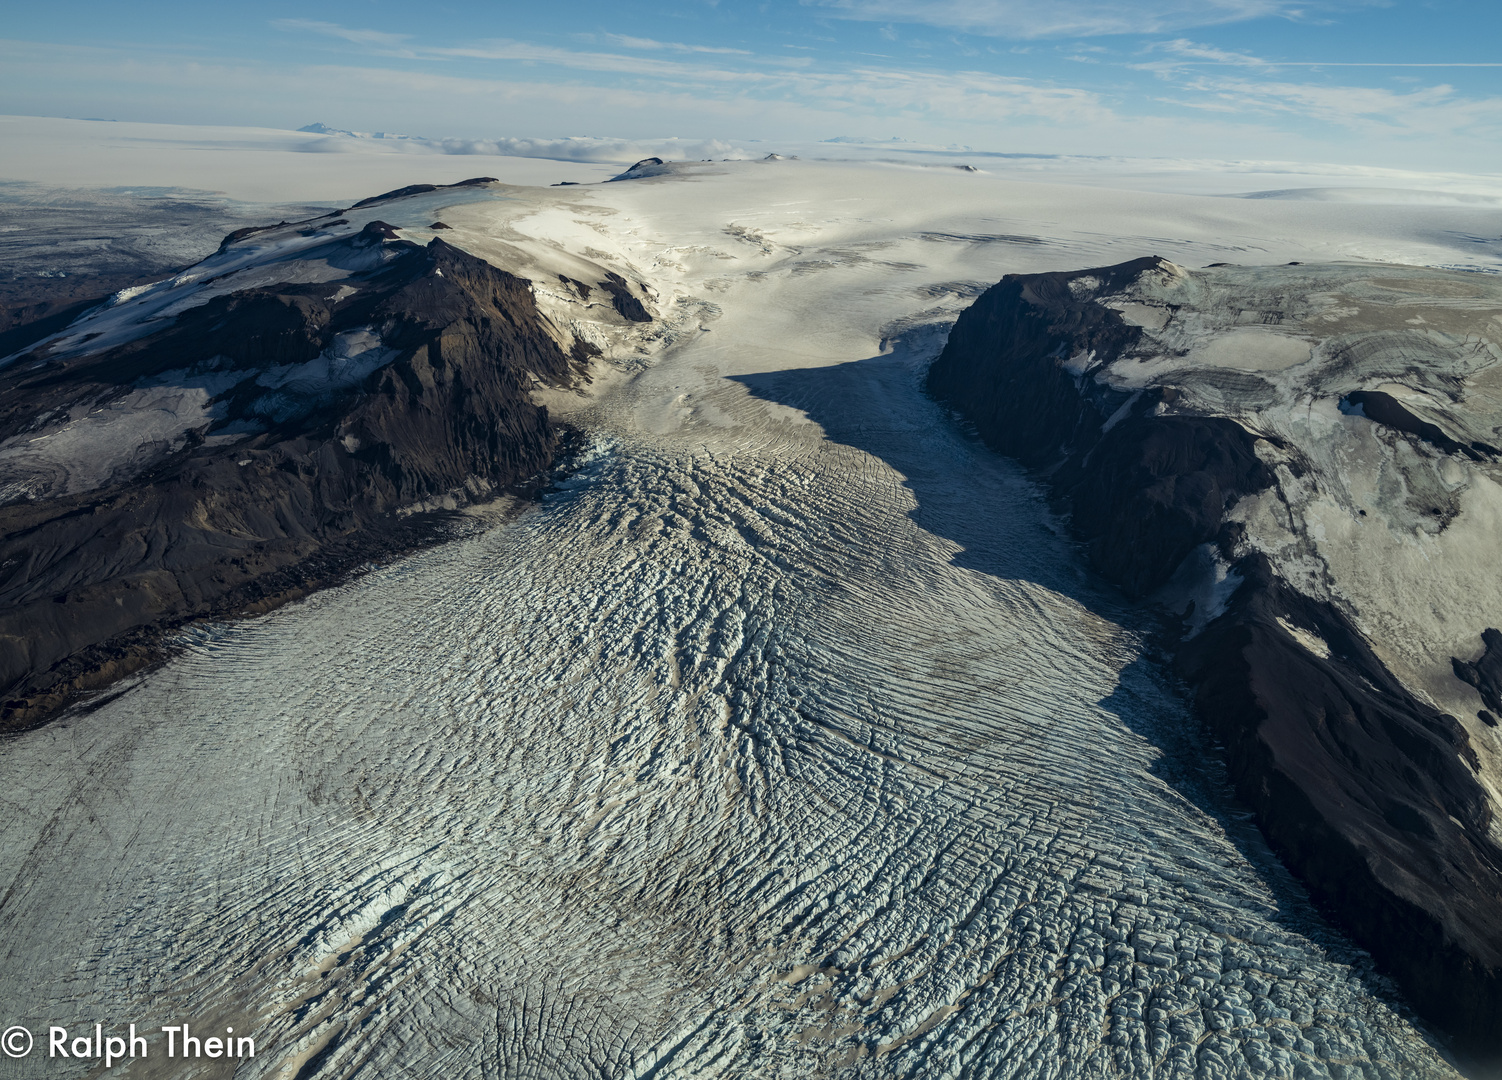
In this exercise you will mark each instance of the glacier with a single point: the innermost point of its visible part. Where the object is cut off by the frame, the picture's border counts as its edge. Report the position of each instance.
(787, 735)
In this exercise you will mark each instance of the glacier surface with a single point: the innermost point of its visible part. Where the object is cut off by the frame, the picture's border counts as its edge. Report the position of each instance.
(787, 737)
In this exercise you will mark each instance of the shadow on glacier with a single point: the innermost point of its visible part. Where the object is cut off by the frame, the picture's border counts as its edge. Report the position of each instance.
(1001, 521)
(964, 492)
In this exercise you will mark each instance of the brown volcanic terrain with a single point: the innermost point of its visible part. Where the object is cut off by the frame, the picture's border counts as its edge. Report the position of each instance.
(307, 455)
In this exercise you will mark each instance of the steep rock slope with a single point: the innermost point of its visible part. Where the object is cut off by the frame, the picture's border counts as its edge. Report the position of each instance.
(64, 251)
(1300, 462)
(220, 441)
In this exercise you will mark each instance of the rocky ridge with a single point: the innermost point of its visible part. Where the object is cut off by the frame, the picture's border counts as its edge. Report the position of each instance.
(1299, 463)
(313, 396)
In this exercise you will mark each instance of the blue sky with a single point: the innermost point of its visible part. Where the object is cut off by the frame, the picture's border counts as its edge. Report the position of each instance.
(1407, 83)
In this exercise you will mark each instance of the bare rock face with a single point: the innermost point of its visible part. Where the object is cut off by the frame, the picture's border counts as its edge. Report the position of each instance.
(1300, 463)
(652, 166)
(255, 428)
(1485, 674)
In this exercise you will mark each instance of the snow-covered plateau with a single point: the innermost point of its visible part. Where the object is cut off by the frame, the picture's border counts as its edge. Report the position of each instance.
(789, 733)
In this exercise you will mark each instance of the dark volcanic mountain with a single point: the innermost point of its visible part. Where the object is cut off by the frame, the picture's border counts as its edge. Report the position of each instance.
(63, 251)
(1302, 463)
(297, 404)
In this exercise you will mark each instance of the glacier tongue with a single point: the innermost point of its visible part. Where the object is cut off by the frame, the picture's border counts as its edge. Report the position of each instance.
(718, 763)
(788, 738)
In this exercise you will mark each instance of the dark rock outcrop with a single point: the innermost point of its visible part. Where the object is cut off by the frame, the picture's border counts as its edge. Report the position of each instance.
(249, 230)
(1485, 674)
(652, 166)
(307, 463)
(419, 189)
(1143, 491)
(626, 305)
(1366, 792)
(23, 325)
(1385, 410)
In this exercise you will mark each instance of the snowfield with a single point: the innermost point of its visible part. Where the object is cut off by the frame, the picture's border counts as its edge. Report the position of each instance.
(787, 737)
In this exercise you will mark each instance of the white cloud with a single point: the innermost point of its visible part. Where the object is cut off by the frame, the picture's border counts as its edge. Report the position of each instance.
(1422, 112)
(358, 37)
(577, 148)
(1064, 18)
(1434, 111)
(802, 103)
(1183, 53)
(526, 52)
(633, 99)
(505, 49)
(951, 95)
(647, 44)
(970, 97)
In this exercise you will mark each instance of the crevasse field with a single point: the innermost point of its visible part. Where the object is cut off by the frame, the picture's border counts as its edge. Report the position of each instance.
(787, 737)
